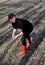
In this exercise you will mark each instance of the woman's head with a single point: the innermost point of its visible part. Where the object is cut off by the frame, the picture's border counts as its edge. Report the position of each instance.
(11, 17)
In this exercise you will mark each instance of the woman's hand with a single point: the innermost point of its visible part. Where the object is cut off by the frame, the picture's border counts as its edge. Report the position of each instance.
(16, 37)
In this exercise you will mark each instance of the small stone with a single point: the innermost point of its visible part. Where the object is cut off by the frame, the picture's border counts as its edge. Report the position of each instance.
(36, 52)
(34, 57)
(40, 62)
(44, 55)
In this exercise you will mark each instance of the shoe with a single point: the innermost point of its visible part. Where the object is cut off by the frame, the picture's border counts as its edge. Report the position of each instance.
(23, 50)
(29, 42)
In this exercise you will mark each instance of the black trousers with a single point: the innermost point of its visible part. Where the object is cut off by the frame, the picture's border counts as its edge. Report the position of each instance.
(26, 36)
(23, 39)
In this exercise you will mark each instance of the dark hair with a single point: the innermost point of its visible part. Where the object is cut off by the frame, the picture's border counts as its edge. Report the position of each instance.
(11, 15)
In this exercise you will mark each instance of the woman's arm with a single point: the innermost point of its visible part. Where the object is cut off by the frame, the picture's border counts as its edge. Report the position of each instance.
(18, 35)
(13, 34)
